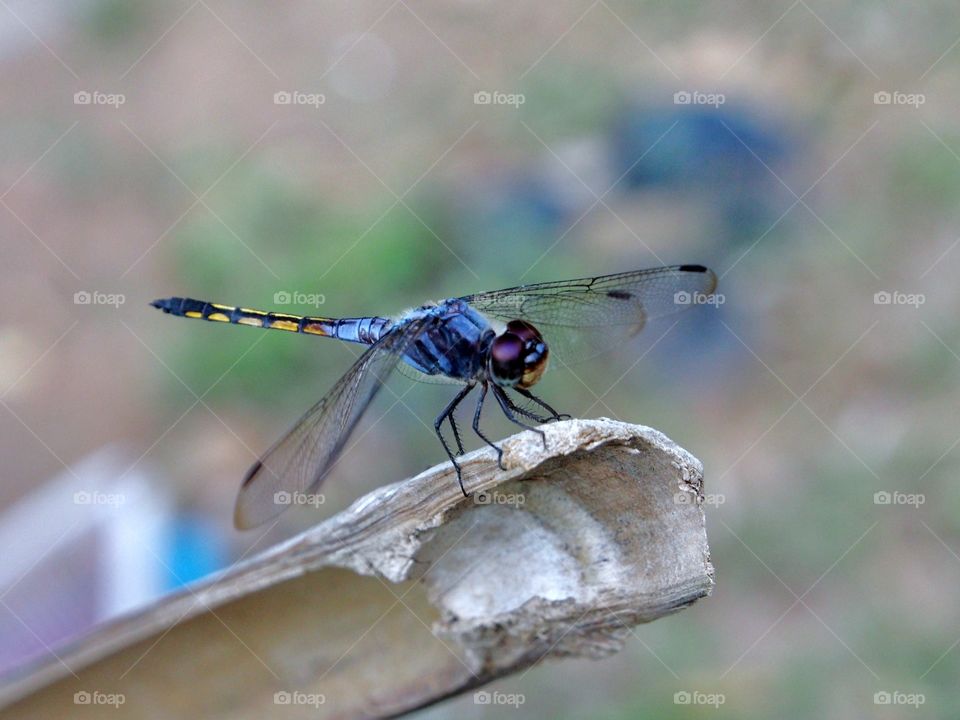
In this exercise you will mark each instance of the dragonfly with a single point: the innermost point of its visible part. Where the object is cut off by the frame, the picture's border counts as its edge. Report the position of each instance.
(498, 343)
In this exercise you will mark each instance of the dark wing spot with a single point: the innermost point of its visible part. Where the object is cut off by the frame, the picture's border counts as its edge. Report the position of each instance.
(251, 473)
(692, 268)
(620, 294)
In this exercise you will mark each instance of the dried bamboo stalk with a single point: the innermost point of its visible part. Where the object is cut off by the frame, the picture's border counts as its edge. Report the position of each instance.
(414, 593)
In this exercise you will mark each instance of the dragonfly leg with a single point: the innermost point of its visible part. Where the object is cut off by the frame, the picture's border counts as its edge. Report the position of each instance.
(505, 404)
(523, 411)
(447, 414)
(456, 434)
(555, 415)
(476, 427)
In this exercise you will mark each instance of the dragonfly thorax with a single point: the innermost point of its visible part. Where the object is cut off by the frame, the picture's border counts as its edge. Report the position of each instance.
(455, 345)
(518, 356)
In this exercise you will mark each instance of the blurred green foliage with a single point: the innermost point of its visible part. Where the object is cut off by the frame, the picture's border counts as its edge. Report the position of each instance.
(111, 22)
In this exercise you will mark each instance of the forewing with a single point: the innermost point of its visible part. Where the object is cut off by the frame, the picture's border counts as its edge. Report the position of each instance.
(584, 317)
(300, 460)
(411, 373)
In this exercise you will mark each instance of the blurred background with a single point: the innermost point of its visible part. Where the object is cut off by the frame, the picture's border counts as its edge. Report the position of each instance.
(343, 159)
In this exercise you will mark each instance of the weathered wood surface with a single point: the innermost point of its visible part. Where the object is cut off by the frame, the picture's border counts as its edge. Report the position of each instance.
(412, 594)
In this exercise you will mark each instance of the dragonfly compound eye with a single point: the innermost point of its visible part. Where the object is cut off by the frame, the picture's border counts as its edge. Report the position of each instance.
(518, 357)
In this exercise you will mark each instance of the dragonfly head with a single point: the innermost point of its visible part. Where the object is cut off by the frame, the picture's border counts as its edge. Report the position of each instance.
(518, 356)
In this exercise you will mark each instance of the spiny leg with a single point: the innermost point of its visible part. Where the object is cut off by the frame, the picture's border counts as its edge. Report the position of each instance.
(505, 406)
(523, 411)
(447, 413)
(529, 395)
(456, 434)
(476, 426)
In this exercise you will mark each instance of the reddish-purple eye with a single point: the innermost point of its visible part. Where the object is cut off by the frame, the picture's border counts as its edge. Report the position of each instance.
(523, 330)
(506, 357)
(518, 357)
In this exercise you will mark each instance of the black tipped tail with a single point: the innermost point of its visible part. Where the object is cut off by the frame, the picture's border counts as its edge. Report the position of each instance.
(188, 307)
(167, 304)
(363, 330)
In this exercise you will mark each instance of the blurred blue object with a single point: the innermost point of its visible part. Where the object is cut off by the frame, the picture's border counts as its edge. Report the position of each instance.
(724, 154)
(502, 212)
(533, 199)
(195, 548)
(687, 144)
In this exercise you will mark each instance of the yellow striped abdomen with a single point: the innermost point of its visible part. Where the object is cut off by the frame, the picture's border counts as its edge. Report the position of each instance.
(363, 330)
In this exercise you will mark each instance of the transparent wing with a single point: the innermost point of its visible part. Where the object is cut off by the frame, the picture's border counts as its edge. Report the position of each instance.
(300, 460)
(582, 318)
(412, 373)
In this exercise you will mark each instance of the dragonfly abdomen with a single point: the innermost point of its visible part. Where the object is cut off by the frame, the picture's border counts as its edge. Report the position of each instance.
(366, 330)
